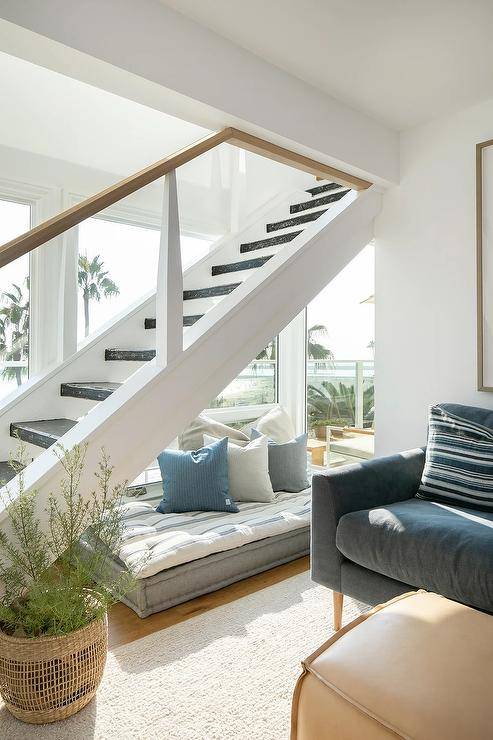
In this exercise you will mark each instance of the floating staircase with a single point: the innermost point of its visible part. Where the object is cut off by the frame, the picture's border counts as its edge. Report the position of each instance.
(45, 432)
(212, 318)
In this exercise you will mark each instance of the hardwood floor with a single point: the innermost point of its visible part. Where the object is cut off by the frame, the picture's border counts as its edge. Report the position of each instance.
(125, 626)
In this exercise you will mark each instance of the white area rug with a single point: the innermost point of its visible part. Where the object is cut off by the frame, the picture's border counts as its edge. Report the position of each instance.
(228, 674)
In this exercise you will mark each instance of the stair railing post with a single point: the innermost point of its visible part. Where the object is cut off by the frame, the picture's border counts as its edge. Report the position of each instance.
(169, 293)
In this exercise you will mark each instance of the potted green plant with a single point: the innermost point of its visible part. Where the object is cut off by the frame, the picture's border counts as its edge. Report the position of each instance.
(319, 427)
(56, 593)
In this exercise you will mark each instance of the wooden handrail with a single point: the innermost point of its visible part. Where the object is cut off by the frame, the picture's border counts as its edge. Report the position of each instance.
(293, 159)
(65, 220)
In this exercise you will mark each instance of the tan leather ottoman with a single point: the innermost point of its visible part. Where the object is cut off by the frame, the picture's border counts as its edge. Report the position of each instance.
(420, 667)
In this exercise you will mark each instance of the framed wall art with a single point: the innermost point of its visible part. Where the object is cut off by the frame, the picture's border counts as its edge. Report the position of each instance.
(484, 234)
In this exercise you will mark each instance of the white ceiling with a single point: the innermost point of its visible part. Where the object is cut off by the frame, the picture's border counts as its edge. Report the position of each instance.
(402, 61)
(57, 116)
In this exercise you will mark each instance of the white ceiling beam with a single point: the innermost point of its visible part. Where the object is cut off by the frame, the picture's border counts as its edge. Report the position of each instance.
(146, 50)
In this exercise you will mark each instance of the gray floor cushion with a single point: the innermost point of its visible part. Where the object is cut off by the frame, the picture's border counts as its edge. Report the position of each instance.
(425, 544)
(184, 582)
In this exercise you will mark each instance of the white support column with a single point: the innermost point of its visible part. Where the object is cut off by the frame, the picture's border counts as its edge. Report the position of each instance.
(69, 293)
(169, 297)
(292, 370)
(47, 318)
(358, 395)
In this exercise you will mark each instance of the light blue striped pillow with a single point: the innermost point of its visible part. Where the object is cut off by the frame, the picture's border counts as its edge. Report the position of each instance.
(459, 461)
(197, 480)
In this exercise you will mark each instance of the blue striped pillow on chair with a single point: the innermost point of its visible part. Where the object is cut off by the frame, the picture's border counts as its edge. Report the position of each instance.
(459, 461)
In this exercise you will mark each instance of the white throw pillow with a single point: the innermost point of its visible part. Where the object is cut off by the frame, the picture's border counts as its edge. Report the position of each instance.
(277, 425)
(192, 437)
(248, 469)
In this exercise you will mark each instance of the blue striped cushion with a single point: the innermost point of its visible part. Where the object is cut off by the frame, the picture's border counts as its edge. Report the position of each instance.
(459, 461)
(197, 480)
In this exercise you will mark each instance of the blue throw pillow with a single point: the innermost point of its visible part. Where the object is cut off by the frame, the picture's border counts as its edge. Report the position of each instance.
(287, 463)
(196, 481)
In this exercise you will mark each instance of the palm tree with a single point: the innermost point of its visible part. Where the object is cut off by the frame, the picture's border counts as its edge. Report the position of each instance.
(94, 283)
(336, 403)
(14, 331)
(323, 404)
(269, 353)
(317, 350)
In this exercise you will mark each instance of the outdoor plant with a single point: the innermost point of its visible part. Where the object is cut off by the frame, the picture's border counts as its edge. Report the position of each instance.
(48, 579)
(94, 281)
(337, 403)
(14, 331)
(269, 353)
(315, 349)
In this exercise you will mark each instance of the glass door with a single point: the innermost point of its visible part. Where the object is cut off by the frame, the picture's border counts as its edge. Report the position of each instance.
(340, 365)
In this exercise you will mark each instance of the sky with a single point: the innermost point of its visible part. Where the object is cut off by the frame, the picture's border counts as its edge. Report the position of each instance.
(350, 323)
(115, 244)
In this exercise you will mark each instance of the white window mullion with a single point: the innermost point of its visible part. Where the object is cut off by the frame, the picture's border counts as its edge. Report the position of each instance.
(46, 320)
(292, 371)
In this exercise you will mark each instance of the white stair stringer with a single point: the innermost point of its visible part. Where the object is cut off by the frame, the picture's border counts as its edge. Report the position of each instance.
(146, 413)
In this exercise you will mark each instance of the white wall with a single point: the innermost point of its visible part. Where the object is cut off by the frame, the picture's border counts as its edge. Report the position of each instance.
(188, 63)
(425, 279)
(57, 116)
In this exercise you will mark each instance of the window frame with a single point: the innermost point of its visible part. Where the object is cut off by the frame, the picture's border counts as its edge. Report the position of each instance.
(44, 202)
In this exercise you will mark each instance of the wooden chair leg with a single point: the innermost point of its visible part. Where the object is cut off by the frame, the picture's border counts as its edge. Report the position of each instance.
(338, 600)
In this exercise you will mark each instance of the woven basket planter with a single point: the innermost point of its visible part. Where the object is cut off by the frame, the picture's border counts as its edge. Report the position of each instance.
(46, 679)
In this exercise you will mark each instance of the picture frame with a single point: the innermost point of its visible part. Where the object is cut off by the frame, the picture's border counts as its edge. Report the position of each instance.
(484, 264)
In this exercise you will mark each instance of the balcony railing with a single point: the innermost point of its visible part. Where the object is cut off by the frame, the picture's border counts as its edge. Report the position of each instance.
(340, 393)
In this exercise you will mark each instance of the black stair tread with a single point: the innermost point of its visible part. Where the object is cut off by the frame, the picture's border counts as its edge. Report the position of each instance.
(243, 265)
(271, 241)
(303, 219)
(130, 355)
(7, 472)
(92, 390)
(187, 321)
(314, 202)
(324, 188)
(190, 320)
(214, 290)
(43, 432)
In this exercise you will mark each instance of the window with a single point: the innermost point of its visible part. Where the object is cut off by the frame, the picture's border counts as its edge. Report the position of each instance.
(193, 248)
(256, 385)
(340, 366)
(15, 219)
(117, 266)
